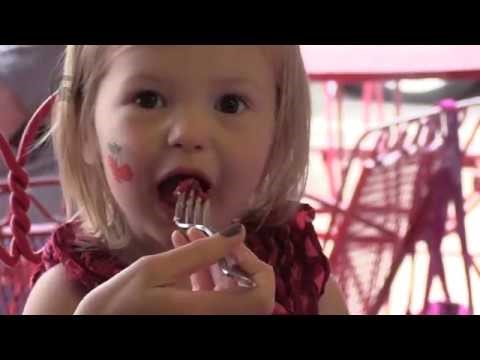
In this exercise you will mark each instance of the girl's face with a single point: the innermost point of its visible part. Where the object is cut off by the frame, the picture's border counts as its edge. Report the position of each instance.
(164, 109)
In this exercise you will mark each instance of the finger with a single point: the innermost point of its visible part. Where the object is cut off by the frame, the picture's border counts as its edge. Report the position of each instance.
(260, 272)
(164, 268)
(214, 277)
(178, 239)
(222, 282)
(202, 279)
(195, 234)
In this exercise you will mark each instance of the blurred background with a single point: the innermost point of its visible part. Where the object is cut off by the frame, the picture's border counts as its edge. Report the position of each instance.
(428, 265)
(355, 90)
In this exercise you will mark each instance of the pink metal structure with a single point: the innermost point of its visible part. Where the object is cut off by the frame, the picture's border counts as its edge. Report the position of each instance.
(407, 180)
(21, 241)
(337, 65)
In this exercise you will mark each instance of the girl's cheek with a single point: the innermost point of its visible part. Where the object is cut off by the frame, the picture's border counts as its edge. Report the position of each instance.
(119, 168)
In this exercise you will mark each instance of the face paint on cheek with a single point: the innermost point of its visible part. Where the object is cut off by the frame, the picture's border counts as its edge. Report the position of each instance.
(121, 172)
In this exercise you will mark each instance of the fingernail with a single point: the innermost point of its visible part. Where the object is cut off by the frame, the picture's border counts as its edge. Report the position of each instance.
(232, 230)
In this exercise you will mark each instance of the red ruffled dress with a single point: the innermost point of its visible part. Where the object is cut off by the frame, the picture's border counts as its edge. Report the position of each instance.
(292, 249)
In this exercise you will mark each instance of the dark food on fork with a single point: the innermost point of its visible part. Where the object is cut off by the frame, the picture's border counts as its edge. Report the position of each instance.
(185, 187)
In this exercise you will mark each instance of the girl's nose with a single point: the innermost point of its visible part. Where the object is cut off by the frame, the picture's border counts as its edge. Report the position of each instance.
(189, 132)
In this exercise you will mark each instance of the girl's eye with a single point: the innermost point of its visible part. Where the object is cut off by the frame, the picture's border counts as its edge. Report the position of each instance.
(149, 99)
(231, 104)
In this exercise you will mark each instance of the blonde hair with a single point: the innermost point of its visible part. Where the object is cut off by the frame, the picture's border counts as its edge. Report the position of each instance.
(85, 189)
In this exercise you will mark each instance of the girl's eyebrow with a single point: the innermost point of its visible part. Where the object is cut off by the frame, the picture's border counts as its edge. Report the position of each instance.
(238, 81)
(145, 78)
(220, 81)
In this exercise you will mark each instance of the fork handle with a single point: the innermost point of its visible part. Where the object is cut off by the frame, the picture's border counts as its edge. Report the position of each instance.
(234, 272)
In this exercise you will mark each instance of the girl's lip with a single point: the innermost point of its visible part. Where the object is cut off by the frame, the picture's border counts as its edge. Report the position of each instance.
(188, 172)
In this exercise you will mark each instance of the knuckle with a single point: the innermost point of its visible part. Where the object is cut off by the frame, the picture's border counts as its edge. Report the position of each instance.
(268, 270)
(265, 296)
(143, 263)
(143, 268)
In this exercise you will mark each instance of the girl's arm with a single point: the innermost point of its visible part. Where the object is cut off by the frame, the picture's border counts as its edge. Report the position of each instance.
(53, 294)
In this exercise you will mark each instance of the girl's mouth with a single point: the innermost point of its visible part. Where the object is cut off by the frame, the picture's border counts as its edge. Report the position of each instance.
(171, 187)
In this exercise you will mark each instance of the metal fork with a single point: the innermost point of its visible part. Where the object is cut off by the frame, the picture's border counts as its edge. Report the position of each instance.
(191, 212)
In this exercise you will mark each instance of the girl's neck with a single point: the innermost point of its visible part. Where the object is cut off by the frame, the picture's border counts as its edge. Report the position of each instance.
(136, 249)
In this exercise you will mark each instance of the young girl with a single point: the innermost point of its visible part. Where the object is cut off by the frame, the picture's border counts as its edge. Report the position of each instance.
(131, 119)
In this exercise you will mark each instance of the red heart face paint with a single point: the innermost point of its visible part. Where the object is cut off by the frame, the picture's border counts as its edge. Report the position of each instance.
(121, 172)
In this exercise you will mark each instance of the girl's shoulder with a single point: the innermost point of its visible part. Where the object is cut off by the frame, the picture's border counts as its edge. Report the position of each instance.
(295, 252)
(86, 261)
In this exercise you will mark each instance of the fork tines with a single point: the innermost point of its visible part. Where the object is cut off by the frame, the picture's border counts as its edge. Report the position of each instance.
(190, 209)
